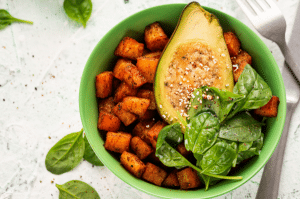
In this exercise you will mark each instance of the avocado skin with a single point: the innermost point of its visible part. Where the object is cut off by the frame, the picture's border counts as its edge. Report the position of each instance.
(196, 27)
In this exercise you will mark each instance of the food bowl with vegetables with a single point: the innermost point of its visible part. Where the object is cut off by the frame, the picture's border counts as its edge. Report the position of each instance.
(180, 100)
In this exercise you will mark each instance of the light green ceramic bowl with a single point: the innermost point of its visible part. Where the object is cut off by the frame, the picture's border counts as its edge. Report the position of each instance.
(102, 59)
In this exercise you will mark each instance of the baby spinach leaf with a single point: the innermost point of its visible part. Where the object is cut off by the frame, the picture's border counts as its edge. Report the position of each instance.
(89, 154)
(201, 133)
(253, 150)
(6, 19)
(244, 146)
(79, 10)
(218, 159)
(66, 154)
(213, 99)
(76, 189)
(241, 128)
(256, 91)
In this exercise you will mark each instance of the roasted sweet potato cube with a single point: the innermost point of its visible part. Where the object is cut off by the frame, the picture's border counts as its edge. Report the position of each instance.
(156, 54)
(141, 130)
(124, 90)
(149, 115)
(142, 93)
(182, 150)
(171, 180)
(119, 68)
(117, 142)
(129, 48)
(136, 105)
(140, 148)
(132, 164)
(270, 109)
(154, 174)
(104, 84)
(188, 178)
(147, 66)
(154, 131)
(238, 69)
(125, 116)
(106, 105)
(242, 56)
(133, 77)
(108, 121)
(155, 37)
(233, 43)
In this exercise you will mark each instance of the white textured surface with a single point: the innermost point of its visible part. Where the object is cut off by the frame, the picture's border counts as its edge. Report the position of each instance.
(50, 56)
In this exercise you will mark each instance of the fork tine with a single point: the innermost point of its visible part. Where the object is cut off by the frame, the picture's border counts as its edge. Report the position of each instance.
(260, 3)
(245, 9)
(253, 6)
(271, 3)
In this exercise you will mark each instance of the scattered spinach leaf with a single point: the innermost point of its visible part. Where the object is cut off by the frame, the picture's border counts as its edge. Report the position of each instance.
(66, 154)
(79, 10)
(213, 99)
(256, 91)
(6, 19)
(89, 154)
(76, 189)
(218, 159)
(201, 133)
(241, 128)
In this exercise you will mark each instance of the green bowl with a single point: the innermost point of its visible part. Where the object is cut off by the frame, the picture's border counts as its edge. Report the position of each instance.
(103, 59)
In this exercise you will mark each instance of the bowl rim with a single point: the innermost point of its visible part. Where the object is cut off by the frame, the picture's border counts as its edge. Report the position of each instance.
(105, 160)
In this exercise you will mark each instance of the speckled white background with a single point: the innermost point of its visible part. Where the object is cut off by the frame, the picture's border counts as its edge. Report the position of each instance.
(40, 70)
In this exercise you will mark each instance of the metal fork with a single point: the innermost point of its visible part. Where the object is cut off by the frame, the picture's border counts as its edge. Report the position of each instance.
(269, 22)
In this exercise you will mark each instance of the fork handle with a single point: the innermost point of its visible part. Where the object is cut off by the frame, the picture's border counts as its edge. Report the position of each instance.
(269, 184)
(290, 60)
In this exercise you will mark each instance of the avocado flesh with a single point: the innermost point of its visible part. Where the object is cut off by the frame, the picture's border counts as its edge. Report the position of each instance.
(195, 56)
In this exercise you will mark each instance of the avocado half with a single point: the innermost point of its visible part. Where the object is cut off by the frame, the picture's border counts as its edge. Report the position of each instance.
(195, 56)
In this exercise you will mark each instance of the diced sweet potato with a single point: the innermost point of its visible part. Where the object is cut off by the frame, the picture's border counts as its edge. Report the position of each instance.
(188, 178)
(156, 54)
(171, 180)
(117, 142)
(242, 56)
(133, 77)
(270, 109)
(238, 69)
(182, 150)
(129, 48)
(147, 66)
(154, 131)
(142, 128)
(106, 105)
(108, 122)
(124, 90)
(155, 37)
(233, 43)
(125, 116)
(116, 83)
(149, 115)
(154, 174)
(119, 68)
(136, 105)
(140, 148)
(142, 93)
(104, 84)
(132, 164)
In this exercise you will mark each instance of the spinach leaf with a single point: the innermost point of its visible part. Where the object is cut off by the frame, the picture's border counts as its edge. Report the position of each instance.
(6, 19)
(79, 10)
(89, 154)
(244, 146)
(76, 189)
(241, 128)
(213, 99)
(256, 91)
(253, 150)
(201, 133)
(218, 159)
(66, 154)
(168, 138)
